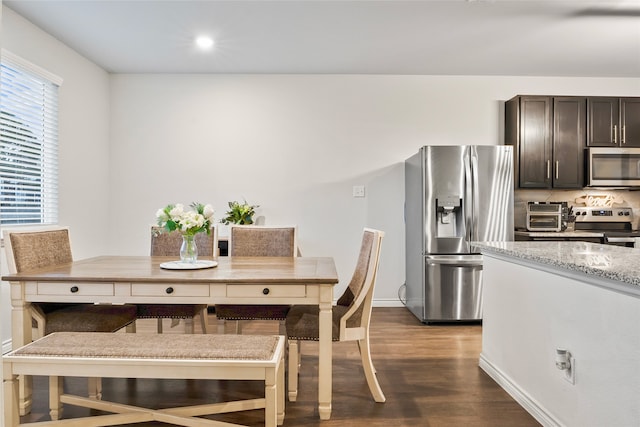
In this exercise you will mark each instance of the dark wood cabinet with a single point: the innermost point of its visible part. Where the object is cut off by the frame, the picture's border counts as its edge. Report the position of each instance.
(613, 122)
(569, 124)
(548, 135)
(630, 121)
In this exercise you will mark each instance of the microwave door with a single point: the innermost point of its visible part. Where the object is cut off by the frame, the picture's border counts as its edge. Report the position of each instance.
(614, 167)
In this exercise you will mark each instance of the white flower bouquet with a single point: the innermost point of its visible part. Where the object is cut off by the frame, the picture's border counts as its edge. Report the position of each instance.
(188, 222)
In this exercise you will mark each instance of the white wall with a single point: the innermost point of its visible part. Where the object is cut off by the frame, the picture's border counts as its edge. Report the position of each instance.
(83, 139)
(296, 144)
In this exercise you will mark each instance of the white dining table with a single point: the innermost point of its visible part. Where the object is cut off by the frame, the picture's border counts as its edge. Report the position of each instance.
(141, 280)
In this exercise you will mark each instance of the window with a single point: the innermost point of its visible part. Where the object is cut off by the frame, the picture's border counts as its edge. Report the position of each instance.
(28, 143)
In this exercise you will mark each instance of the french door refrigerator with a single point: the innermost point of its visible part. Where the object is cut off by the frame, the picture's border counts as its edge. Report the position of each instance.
(454, 195)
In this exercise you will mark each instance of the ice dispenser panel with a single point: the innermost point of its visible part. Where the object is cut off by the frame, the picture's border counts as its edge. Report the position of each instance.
(450, 235)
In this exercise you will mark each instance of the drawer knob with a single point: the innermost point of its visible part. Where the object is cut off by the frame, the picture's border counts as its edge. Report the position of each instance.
(74, 289)
(169, 290)
(265, 291)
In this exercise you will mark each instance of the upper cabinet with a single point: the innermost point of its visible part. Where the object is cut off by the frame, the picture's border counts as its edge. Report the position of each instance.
(613, 122)
(548, 135)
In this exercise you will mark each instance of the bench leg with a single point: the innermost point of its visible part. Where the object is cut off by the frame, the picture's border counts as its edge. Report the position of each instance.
(11, 396)
(55, 390)
(280, 374)
(271, 397)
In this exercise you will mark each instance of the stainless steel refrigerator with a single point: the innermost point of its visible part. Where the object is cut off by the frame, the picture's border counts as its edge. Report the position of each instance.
(454, 195)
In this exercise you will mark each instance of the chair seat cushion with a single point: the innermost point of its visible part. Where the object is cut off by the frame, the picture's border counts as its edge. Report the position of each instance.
(302, 322)
(166, 311)
(252, 312)
(90, 318)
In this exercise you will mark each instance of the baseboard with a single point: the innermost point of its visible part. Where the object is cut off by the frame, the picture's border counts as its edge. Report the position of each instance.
(392, 302)
(527, 402)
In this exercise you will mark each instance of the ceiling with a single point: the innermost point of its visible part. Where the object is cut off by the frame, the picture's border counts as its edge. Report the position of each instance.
(448, 37)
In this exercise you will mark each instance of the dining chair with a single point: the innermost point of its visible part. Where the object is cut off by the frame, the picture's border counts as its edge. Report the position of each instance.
(168, 244)
(351, 317)
(46, 247)
(258, 241)
(26, 250)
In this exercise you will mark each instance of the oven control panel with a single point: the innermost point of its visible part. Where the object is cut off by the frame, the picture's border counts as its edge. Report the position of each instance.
(597, 214)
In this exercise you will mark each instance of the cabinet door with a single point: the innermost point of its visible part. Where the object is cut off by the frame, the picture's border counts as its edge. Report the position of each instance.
(630, 122)
(569, 115)
(602, 117)
(535, 142)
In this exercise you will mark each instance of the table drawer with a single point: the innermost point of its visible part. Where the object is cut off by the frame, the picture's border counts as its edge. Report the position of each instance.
(168, 290)
(83, 289)
(266, 291)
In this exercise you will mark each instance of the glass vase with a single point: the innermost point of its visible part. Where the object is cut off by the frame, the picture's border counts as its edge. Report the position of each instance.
(189, 249)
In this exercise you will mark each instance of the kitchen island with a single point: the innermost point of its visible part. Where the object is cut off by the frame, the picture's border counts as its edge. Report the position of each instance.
(582, 297)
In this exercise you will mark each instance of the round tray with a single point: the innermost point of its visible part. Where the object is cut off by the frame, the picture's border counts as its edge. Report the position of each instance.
(179, 265)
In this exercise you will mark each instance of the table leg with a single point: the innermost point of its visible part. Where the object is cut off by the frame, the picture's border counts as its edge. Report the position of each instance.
(20, 336)
(325, 370)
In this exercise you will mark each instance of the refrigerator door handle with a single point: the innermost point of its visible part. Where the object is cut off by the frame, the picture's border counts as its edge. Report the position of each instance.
(473, 232)
(473, 260)
(468, 198)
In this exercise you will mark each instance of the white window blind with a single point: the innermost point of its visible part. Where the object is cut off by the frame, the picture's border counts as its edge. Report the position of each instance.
(28, 143)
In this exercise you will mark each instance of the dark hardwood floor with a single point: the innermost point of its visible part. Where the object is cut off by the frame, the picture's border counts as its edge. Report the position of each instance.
(429, 374)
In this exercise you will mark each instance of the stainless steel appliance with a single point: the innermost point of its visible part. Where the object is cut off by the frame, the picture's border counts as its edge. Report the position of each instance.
(454, 195)
(547, 216)
(613, 167)
(615, 223)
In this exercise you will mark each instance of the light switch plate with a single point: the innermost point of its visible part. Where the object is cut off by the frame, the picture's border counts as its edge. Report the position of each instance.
(358, 191)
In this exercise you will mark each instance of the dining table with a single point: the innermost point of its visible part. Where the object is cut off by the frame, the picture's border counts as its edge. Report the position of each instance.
(162, 280)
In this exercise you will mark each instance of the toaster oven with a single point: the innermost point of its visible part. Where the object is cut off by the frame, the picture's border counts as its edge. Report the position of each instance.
(547, 216)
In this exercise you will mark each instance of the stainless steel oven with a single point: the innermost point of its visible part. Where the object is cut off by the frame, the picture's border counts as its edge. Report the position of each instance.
(614, 223)
(613, 167)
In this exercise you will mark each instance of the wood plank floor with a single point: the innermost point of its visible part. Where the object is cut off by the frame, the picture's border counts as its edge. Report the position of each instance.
(429, 374)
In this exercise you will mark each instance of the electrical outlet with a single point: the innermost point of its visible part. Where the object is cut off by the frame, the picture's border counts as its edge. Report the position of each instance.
(358, 191)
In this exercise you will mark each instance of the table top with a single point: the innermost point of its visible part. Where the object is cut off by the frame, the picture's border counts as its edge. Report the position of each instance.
(311, 270)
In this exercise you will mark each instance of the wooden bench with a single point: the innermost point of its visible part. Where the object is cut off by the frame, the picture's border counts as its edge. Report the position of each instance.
(184, 356)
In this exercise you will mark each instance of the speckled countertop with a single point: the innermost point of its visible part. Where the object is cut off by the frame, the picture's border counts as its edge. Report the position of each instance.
(611, 262)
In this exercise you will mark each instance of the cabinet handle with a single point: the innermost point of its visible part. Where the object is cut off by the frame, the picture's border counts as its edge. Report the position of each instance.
(266, 291)
(624, 134)
(74, 289)
(557, 167)
(548, 169)
(615, 134)
(169, 290)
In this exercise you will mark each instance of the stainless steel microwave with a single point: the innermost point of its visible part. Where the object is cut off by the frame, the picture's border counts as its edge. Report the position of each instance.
(613, 167)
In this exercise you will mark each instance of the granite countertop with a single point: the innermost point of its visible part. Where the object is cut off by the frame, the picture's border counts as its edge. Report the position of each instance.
(611, 262)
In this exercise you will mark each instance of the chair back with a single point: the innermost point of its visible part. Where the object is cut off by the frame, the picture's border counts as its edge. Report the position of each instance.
(260, 240)
(27, 250)
(358, 296)
(165, 243)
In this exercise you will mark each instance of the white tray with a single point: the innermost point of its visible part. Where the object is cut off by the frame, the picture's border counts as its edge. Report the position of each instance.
(179, 265)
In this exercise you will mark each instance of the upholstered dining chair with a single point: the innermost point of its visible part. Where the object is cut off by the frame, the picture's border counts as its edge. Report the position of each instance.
(26, 250)
(46, 247)
(168, 244)
(351, 316)
(258, 241)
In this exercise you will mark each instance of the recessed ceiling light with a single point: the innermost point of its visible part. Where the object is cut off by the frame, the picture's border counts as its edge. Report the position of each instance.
(204, 42)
